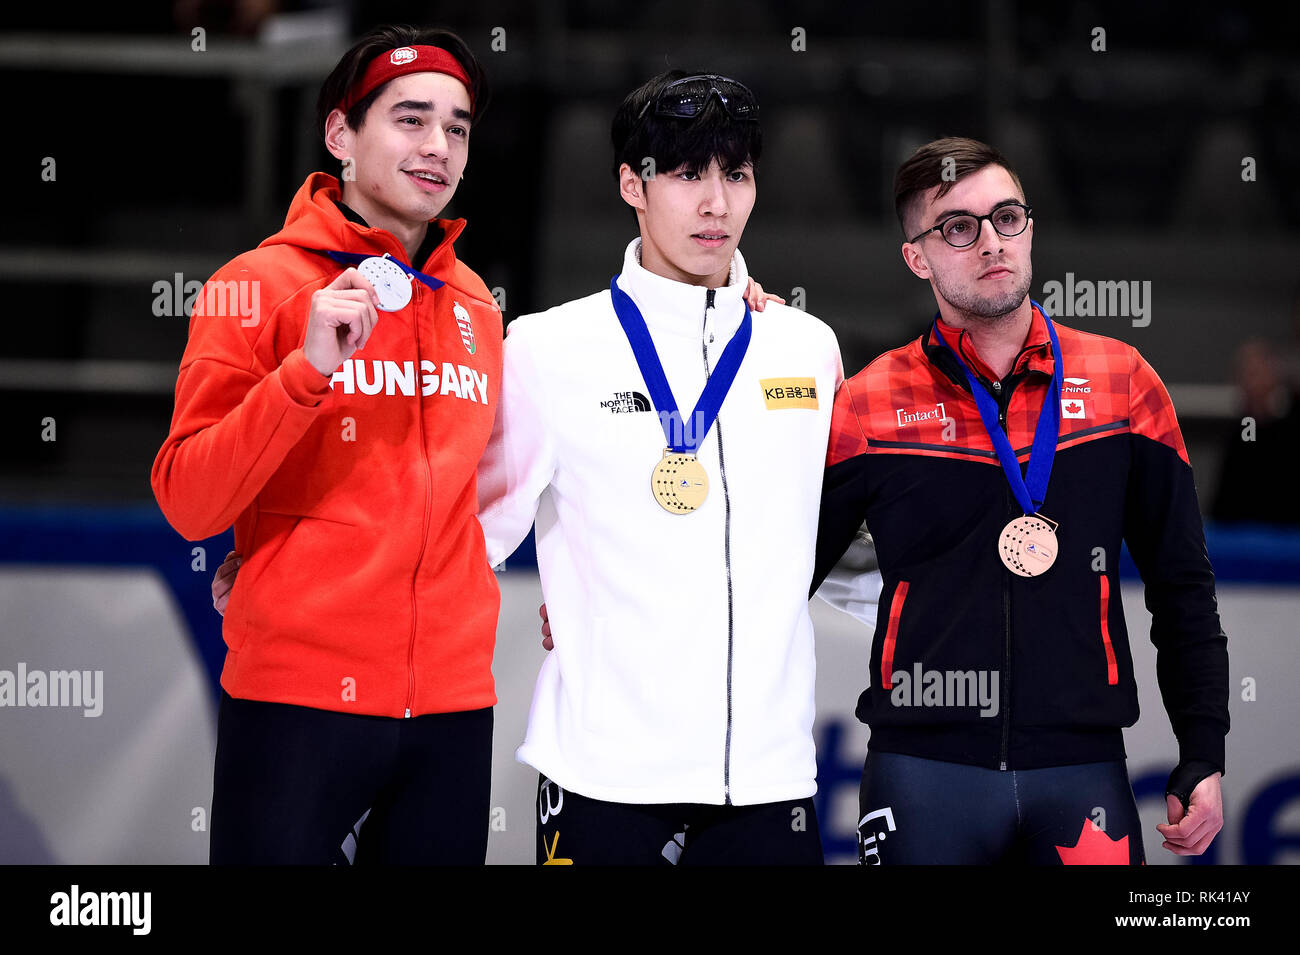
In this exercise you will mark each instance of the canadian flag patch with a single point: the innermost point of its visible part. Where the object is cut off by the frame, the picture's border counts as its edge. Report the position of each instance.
(1072, 408)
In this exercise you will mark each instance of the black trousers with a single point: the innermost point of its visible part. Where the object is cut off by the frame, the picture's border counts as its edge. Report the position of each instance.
(915, 811)
(575, 830)
(298, 785)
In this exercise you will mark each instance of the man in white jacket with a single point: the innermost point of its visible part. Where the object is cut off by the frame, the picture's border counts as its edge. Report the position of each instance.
(673, 720)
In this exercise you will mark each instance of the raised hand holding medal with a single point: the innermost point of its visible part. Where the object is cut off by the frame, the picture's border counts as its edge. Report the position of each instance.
(390, 278)
(344, 313)
(679, 482)
(1027, 545)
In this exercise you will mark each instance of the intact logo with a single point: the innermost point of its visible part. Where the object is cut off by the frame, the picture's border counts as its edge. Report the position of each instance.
(403, 54)
(871, 833)
(625, 402)
(908, 416)
(466, 329)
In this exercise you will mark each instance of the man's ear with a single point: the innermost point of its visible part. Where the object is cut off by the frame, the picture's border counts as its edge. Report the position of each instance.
(631, 187)
(915, 260)
(338, 137)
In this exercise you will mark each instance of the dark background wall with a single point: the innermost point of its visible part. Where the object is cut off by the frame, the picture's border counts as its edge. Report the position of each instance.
(170, 160)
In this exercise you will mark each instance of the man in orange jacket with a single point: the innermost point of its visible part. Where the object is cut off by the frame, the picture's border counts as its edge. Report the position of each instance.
(338, 423)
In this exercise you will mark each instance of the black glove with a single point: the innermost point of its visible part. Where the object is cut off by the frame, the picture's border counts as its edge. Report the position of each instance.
(1185, 777)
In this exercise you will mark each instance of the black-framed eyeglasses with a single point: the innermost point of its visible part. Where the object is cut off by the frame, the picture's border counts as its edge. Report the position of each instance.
(687, 97)
(961, 231)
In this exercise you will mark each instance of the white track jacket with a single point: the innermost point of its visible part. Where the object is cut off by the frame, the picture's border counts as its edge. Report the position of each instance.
(683, 667)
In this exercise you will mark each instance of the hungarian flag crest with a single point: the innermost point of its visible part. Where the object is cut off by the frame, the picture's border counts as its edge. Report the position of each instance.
(466, 329)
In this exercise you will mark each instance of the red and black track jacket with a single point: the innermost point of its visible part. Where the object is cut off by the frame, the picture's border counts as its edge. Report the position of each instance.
(909, 455)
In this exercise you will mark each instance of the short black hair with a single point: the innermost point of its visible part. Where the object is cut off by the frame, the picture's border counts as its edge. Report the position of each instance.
(674, 143)
(378, 41)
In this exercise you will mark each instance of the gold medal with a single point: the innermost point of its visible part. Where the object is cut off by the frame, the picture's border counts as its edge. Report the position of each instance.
(1028, 545)
(679, 482)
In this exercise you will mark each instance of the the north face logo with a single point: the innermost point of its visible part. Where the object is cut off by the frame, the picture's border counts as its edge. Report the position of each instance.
(626, 401)
(403, 54)
(466, 329)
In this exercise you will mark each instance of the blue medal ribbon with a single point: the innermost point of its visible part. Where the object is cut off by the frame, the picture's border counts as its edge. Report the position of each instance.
(681, 439)
(354, 258)
(1031, 489)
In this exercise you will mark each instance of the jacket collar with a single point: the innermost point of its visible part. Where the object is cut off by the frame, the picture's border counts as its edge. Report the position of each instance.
(675, 308)
(1035, 355)
(315, 221)
(432, 236)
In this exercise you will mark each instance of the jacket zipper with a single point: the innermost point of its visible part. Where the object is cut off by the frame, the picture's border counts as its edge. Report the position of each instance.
(424, 536)
(726, 500)
(1003, 396)
(1004, 400)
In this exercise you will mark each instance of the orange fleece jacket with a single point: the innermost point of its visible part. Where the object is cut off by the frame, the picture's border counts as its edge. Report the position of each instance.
(364, 586)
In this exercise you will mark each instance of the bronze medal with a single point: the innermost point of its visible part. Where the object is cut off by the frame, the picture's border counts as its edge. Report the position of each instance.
(679, 482)
(1028, 545)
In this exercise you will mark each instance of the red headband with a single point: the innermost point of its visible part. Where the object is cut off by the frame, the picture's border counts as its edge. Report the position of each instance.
(399, 62)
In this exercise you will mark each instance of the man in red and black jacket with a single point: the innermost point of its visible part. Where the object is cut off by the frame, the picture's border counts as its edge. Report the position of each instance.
(1000, 669)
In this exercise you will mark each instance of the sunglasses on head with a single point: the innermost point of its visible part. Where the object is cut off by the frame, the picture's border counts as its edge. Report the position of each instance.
(687, 97)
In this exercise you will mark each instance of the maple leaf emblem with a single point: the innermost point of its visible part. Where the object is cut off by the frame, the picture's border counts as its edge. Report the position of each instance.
(1073, 407)
(1094, 847)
